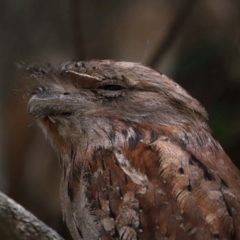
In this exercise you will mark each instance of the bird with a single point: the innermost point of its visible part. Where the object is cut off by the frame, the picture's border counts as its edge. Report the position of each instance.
(138, 158)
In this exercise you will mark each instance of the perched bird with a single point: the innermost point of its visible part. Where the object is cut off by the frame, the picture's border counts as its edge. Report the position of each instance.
(137, 156)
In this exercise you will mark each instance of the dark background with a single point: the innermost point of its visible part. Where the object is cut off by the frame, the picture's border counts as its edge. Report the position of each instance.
(195, 42)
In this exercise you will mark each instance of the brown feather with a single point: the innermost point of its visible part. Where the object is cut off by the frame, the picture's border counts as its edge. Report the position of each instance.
(138, 158)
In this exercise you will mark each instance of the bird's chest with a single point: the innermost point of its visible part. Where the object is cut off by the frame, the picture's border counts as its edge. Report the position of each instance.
(112, 198)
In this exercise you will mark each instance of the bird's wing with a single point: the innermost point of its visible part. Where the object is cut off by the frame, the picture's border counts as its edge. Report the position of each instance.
(197, 194)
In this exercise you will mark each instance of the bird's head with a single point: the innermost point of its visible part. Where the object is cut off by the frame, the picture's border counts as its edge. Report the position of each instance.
(80, 98)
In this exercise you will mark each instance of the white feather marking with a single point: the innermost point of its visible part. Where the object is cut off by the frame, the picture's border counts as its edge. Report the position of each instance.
(136, 176)
(83, 75)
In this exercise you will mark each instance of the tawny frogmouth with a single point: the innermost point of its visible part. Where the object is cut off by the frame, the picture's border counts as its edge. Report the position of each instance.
(138, 159)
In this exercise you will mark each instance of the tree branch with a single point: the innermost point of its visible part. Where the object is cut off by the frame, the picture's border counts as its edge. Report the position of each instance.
(172, 33)
(77, 31)
(16, 223)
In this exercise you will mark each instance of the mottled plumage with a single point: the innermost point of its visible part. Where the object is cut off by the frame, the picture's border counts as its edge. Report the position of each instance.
(138, 159)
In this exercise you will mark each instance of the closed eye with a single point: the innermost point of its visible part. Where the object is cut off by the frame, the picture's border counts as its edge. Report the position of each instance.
(111, 87)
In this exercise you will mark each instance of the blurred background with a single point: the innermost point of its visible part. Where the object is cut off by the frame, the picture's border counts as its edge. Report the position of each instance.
(197, 43)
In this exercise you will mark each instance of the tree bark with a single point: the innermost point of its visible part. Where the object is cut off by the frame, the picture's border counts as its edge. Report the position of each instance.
(16, 223)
